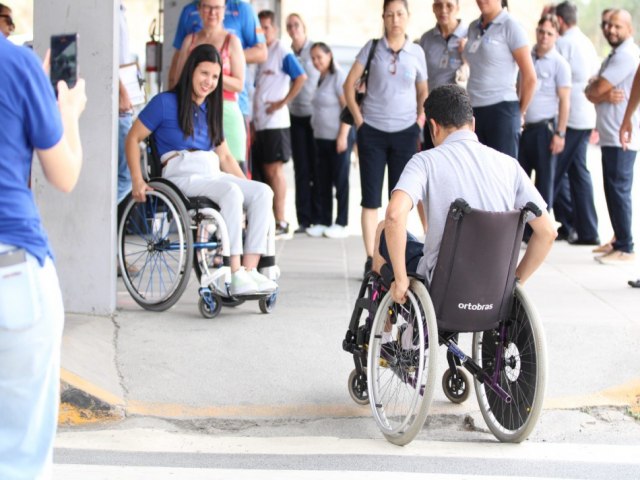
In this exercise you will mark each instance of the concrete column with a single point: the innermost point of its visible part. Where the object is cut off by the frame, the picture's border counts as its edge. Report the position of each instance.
(171, 15)
(82, 225)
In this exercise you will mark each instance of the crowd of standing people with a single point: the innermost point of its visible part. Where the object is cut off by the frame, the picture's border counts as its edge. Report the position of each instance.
(538, 104)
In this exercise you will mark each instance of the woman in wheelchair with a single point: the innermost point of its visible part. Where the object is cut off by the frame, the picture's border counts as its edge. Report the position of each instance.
(187, 126)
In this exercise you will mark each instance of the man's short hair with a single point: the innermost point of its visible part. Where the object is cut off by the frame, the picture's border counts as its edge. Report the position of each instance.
(267, 14)
(568, 12)
(449, 106)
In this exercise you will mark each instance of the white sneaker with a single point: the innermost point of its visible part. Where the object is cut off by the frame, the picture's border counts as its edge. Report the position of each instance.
(316, 230)
(336, 231)
(242, 283)
(264, 284)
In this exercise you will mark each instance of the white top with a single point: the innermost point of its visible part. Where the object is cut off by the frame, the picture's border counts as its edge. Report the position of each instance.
(124, 53)
(325, 120)
(492, 68)
(391, 103)
(578, 50)
(553, 72)
(461, 167)
(618, 69)
(273, 80)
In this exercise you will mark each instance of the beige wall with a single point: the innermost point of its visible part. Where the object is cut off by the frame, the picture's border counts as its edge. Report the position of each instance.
(352, 22)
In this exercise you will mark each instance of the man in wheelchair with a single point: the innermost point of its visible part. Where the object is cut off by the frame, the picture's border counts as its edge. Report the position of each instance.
(187, 127)
(459, 167)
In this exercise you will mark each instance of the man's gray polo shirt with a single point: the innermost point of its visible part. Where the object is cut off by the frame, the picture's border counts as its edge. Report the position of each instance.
(461, 167)
(442, 55)
(618, 69)
(391, 104)
(578, 50)
(553, 72)
(493, 70)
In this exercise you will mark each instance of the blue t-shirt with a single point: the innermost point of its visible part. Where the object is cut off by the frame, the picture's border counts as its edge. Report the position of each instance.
(161, 117)
(29, 119)
(239, 19)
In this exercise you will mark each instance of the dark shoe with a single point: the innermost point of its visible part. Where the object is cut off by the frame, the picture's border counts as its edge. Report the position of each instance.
(367, 265)
(282, 229)
(300, 229)
(634, 283)
(579, 241)
(566, 234)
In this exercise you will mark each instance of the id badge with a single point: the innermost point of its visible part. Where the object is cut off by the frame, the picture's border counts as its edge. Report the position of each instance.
(473, 48)
(444, 61)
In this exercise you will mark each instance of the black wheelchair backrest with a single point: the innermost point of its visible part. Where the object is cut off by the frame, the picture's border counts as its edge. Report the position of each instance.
(153, 158)
(474, 278)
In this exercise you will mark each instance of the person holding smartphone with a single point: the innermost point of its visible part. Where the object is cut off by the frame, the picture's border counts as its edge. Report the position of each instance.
(31, 310)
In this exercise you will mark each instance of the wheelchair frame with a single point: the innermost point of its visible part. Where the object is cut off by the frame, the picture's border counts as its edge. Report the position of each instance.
(159, 241)
(397, 376)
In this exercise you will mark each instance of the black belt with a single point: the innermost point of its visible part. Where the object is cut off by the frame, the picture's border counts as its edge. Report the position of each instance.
(13, 257)
(541, 123)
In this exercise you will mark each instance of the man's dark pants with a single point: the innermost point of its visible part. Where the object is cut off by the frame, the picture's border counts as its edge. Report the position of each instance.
(617, 177)
(534, 154)
(303, 151)
(573, 204)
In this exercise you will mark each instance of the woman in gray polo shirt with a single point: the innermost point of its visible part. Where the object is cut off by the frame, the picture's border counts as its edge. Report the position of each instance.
(496, 48)
(392, 114)
(442, 47)
(302, 143)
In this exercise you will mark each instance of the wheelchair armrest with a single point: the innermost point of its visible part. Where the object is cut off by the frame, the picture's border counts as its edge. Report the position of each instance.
(533, 208)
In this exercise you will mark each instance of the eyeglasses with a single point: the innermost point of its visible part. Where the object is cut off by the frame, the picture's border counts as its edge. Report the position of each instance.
(9, 19)
(211, 8)
(540, 31)
(393, 68)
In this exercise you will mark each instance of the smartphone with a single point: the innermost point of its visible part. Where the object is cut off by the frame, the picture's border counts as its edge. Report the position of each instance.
(64, 59)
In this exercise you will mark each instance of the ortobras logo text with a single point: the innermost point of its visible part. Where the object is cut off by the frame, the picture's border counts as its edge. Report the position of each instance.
(475, 306)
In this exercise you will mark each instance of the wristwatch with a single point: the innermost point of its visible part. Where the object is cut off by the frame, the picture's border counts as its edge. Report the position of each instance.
(559, 133)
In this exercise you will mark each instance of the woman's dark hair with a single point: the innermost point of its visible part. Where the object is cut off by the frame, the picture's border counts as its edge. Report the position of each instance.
(552, 19)
(505, 4)
(387, 2)
(325, 48)
(449, 106)
(184, 93)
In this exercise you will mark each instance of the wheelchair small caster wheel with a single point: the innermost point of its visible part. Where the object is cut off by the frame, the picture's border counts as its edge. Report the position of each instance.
(358, 388)
(268, 303)
(210, 308)
(456, 385)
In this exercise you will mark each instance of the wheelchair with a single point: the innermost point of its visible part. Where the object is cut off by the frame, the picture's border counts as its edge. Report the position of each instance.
(394, 346)
(160, 240)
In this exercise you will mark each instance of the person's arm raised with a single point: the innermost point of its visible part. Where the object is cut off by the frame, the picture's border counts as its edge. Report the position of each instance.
(62, 162)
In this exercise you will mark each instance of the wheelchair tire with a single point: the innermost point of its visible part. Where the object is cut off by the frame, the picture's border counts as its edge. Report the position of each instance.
(155, 248)
(401, 372)
(522, 356)
(456, 385)
(358, 388)
(206, 311)
(268, 303)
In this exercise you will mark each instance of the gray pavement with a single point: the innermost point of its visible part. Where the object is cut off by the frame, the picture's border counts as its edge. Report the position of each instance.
(246, 365)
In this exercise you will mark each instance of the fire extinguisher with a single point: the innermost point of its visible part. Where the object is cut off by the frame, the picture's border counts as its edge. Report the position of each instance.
(154, 62)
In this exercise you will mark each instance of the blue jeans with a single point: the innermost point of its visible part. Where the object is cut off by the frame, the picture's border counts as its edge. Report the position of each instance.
(573, 204)
(31, 322)
(124, 177)
(617, 177)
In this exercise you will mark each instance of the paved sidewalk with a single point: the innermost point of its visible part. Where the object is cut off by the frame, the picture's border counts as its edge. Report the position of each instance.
(290, 364)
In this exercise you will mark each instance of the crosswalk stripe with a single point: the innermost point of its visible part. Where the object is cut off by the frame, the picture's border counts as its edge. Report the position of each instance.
(100, 472)
(150, 440)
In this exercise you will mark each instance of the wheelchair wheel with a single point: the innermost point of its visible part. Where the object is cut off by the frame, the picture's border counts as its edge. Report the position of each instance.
(358, 388)
(401, 372)
(205, 309)
(268, 303)
(155, 248)
(456, 385)
(515, 356)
